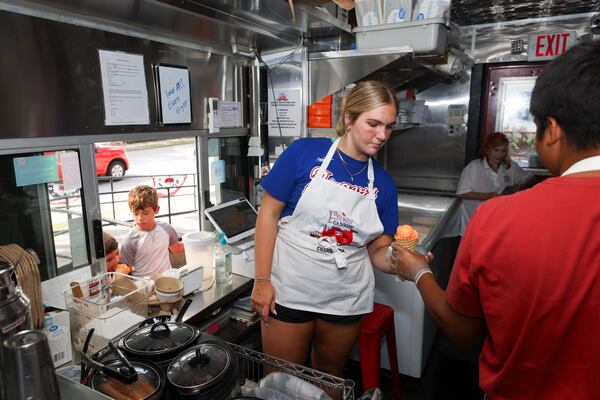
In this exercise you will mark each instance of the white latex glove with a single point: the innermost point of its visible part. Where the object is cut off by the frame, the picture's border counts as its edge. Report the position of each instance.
(408, 265)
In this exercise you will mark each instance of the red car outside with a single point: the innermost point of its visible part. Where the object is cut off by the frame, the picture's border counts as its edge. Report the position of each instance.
(111, 160)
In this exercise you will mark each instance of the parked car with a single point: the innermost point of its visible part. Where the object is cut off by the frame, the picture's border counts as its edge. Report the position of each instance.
(111, 160)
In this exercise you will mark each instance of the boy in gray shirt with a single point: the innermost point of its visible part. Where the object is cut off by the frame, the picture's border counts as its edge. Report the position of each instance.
(146, 246)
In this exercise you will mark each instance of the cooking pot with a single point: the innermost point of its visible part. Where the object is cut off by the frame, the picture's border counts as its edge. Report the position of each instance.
(159, 339)
(206, 371)
(148, 382)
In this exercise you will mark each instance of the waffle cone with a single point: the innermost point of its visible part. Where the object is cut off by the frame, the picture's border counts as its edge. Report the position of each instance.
(408, 244)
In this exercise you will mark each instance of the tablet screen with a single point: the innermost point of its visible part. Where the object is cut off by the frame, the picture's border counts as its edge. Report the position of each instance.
(233, 218)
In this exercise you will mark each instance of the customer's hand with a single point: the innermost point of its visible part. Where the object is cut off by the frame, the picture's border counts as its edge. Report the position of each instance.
(263, 300)
(407, 264)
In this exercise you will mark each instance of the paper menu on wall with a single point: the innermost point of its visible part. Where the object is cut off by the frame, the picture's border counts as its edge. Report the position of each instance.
(230, 114)
(124, 88)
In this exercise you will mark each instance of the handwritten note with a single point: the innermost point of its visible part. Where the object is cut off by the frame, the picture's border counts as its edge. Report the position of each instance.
(175, 102)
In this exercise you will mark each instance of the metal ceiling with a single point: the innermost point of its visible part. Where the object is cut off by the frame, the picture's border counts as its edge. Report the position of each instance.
(476, 12)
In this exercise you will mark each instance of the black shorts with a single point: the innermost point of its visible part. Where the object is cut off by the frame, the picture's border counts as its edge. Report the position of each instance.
(285, 314)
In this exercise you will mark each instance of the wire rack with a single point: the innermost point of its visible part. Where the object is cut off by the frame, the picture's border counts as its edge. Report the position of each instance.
(254, 364)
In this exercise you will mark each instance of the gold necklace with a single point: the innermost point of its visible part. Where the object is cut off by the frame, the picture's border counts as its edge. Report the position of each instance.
(346, 166)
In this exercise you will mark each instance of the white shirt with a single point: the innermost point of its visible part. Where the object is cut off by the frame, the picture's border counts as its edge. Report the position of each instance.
(148, 251)
(479, 177)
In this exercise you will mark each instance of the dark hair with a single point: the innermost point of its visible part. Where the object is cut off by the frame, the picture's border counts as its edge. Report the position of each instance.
(569, 91)
(110, 243)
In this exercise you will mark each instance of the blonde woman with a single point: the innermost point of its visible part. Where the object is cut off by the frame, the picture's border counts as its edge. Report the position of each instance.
(327, 217)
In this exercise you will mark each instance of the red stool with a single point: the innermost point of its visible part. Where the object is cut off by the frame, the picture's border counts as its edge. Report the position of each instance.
(374, 326)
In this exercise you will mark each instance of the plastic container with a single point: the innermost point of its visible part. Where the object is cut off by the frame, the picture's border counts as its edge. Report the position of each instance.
(199, 252)
(428, 36)
(120, 302)
(368, 12)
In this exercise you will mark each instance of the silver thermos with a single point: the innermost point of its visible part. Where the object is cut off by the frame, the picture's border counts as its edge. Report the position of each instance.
(15, 314)
(31, 374)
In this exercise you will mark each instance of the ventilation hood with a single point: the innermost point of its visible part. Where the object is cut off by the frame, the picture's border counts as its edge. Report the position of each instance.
(333, 70)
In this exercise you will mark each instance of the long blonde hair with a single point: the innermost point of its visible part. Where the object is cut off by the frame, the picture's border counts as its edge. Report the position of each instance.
(363, 97)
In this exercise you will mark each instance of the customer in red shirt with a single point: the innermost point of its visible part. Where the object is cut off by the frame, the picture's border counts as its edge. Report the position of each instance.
(527, 273)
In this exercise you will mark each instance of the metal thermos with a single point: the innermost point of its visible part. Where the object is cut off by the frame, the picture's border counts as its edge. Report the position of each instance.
(15, 314)
(31, 374)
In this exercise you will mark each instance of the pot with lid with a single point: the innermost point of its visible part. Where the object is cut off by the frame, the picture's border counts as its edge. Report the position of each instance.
(160, 340)
(206, 371)
(148, 384)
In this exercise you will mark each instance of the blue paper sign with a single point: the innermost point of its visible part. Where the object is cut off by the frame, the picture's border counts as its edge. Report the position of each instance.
(217, 172)
(34, 170)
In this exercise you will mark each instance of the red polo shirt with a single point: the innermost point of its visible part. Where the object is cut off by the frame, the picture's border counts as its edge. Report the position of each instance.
(529, 265)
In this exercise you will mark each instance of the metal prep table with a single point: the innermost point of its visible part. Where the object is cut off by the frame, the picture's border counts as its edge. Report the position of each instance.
(435, 219)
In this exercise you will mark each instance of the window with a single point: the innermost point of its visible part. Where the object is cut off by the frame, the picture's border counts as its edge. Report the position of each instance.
(43, 214)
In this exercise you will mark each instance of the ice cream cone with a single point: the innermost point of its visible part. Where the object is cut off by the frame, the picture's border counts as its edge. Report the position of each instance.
(408, 244)
(407, 237)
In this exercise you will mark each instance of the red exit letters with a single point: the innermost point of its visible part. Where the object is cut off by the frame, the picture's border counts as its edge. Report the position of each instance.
(549, 45)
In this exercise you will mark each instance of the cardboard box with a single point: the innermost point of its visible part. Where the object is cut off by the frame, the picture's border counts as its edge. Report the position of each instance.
(325, 100)
(319, 109)
(319, 121)
(59, 337)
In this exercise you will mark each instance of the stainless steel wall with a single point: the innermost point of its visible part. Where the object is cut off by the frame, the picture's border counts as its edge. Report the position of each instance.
(427, 157)
(51, 84)
(491, 42)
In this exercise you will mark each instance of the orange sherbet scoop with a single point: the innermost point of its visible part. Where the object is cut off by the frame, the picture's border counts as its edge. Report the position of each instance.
(406, 232)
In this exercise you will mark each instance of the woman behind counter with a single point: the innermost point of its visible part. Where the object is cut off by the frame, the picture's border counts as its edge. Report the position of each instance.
(491, 175)
(328, 215)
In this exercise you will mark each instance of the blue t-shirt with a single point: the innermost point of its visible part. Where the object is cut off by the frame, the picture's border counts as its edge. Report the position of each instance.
(291, 173)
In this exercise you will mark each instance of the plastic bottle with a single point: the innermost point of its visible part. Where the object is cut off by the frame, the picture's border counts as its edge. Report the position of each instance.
(223, 262)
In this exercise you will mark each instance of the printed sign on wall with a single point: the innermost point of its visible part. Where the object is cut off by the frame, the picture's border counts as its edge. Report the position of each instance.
(285, 112)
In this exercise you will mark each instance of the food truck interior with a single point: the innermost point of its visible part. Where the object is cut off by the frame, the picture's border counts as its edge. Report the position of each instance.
(198, 99)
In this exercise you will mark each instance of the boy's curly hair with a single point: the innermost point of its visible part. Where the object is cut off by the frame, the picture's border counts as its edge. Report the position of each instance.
(142, 196)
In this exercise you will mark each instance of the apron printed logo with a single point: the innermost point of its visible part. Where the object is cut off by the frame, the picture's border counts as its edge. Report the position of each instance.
(336, 225)
(363, 190)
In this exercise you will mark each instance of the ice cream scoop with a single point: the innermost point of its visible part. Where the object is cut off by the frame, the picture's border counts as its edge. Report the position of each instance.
(407, 237)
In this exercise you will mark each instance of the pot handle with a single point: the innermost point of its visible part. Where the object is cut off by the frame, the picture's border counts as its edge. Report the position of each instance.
(154, 320)
(183, 309)
(155, 334)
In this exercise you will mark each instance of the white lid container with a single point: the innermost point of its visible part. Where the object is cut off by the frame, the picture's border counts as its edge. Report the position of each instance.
(199, 250)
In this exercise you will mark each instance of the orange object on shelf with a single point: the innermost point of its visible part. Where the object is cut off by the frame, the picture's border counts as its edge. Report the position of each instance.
(319, 109)
(324, 100)
(319, 121)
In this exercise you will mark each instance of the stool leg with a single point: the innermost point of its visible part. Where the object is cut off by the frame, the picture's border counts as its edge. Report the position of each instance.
(369, 361)
(392, 353)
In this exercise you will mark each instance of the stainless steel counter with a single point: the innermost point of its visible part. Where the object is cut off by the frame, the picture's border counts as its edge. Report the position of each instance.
(204, 304)
(433, 216)
(428, 214)
(207, 302)
(73, 390)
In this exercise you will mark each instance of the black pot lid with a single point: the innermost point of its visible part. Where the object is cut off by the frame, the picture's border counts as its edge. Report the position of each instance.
(147, 384)
(159, 338)
(199, 366)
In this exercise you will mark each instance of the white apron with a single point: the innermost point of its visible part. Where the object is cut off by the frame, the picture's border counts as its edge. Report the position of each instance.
(320, 262)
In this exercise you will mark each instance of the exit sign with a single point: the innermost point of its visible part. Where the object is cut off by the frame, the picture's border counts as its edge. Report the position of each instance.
(546, 46)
